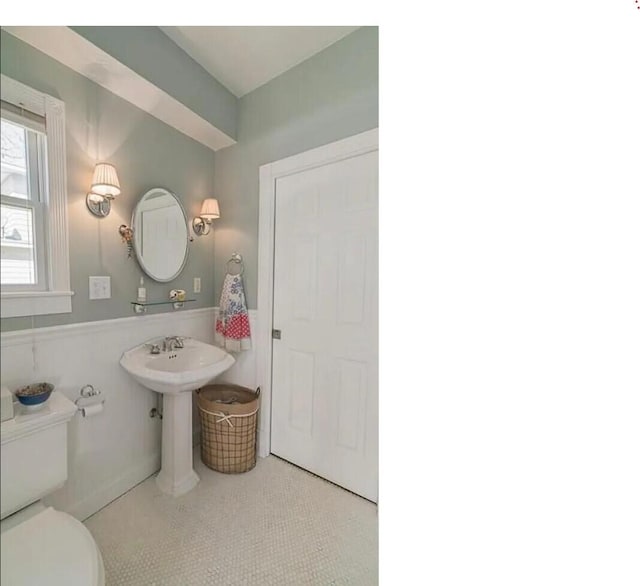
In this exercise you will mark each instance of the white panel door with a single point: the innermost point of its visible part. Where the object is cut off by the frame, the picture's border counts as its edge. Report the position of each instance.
(325, 364)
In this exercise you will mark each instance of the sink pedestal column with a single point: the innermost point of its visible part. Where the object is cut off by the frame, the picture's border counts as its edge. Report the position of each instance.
(176, 475)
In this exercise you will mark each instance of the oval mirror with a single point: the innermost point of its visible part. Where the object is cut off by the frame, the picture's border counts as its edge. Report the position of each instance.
(160, 234)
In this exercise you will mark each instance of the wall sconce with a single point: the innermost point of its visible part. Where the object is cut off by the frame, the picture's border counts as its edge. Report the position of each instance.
(210, 211)
(104, 187)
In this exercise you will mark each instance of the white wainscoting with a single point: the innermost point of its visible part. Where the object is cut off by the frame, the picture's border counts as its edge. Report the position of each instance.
(112, 451)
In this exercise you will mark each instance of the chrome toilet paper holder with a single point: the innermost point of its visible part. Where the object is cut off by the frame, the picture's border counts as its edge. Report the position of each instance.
(89, 396)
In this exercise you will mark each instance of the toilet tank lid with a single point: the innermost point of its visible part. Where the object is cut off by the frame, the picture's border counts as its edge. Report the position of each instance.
(58, 409)
(50, 548)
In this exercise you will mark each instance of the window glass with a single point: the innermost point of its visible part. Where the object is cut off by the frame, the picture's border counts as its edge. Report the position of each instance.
(18, 253)
(20, 207)
(13, 158)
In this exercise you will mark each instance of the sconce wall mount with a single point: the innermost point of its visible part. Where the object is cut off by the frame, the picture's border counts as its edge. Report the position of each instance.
(98, 205)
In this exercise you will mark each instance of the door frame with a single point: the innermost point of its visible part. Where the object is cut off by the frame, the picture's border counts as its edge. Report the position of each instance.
(346, 148)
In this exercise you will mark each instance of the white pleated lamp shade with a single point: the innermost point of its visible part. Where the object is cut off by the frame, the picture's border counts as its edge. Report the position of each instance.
(105, 180)
(210, 209)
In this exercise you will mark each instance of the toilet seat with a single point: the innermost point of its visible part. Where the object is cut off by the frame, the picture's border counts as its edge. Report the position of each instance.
(50, 548)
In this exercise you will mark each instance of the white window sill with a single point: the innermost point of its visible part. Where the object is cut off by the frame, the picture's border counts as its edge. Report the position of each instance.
(19, 304)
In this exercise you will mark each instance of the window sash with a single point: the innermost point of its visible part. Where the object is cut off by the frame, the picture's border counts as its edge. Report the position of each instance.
(22, 117)
(38, 244)
(35, 146)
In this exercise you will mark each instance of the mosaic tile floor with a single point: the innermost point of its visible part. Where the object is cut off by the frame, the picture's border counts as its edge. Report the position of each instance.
(274, 525)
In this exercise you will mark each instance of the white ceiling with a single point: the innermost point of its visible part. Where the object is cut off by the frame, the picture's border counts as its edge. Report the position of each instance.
(243, 58)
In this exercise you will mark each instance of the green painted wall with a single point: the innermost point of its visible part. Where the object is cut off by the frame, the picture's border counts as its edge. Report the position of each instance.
(154, 56)
(147, 153)
(330, 96)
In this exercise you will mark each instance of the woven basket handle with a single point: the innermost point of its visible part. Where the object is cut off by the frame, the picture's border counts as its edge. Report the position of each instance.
(257, 392)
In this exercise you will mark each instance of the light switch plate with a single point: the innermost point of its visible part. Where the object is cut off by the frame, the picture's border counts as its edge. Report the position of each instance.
(99, 287)
(196, 284)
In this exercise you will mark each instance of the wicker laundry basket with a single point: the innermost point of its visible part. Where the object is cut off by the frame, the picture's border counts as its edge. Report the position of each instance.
(228, 422)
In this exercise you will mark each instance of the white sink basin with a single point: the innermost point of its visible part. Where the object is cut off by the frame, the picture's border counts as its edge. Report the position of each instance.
(182, 369)
(174, 374)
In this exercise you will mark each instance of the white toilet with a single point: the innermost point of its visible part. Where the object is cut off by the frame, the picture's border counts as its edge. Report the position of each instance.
(40, 545)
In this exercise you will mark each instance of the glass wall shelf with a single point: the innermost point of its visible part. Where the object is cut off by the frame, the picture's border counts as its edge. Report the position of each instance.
(141, 306)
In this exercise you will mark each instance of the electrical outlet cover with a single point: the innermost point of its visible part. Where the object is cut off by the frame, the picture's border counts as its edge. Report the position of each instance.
(196, 285)
(99, 287)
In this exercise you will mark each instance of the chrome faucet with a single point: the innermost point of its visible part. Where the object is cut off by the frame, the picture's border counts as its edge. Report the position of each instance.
(172, 342)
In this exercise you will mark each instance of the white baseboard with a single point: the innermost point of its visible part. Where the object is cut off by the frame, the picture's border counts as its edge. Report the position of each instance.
(101, 498)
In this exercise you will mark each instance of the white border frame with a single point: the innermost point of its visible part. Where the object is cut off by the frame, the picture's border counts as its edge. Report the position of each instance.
(57, 298)
(358, 144)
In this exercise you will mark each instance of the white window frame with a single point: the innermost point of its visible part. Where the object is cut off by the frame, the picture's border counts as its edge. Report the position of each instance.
(57, 297)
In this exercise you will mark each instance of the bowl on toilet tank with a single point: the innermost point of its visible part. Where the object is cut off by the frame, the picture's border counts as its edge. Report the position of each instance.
(35, 394)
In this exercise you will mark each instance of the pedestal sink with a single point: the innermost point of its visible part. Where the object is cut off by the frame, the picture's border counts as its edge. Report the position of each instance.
(175, 374)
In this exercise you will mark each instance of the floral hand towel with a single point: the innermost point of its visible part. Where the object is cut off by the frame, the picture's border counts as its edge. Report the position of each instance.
(232, 324)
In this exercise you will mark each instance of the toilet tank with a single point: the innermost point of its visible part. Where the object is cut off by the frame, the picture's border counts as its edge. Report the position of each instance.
(33, 456)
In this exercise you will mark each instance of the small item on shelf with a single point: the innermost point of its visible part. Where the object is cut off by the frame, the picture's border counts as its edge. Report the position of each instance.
(177, 295)
(142, 291)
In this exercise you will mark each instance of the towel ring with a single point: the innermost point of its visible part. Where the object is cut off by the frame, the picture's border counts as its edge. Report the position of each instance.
(236, 259)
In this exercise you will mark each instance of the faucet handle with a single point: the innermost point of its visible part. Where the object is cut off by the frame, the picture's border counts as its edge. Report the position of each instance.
(155, 349)
(179, 341)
